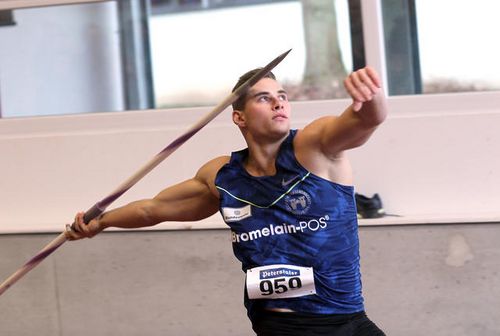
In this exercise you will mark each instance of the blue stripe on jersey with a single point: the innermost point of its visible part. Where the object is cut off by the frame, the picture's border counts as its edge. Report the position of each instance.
(295, 218)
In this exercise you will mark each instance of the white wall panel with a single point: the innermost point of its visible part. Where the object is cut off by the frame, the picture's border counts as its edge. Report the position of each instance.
(434, 160)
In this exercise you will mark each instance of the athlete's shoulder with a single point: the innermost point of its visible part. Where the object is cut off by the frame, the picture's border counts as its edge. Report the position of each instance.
(214, 165)
(208, 172)
(314, 131)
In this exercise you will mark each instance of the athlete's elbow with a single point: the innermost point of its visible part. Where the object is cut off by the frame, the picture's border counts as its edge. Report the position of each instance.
(380, 113)
(374, 115)
(370, 121)
(380, 117)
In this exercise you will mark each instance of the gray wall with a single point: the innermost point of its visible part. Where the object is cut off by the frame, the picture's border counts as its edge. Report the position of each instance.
(439, 280)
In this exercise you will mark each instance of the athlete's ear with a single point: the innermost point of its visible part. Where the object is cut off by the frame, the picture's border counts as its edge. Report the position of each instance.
(239, 118)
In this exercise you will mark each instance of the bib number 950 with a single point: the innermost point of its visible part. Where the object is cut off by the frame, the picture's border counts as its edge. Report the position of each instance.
(280, 281)
(279, 286)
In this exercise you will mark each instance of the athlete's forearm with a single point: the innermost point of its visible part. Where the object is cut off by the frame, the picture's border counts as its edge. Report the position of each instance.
(133, 215)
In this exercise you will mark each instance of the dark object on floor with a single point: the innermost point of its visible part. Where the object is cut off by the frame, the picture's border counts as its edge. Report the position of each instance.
(369, 207)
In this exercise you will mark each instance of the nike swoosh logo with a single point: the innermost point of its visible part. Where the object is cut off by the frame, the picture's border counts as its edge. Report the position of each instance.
(287, 182)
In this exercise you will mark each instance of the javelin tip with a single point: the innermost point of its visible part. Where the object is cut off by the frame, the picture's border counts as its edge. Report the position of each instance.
(283, 55)
(260, 74)
(276, 61)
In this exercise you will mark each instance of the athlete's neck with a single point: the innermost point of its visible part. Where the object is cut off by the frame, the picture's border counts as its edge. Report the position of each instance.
(261, 160)
(262, 154)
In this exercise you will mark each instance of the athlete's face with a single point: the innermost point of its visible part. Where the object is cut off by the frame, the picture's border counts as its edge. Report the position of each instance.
(267, 110)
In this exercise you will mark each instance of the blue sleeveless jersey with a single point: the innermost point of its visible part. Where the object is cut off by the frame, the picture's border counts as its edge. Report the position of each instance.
(294, 218)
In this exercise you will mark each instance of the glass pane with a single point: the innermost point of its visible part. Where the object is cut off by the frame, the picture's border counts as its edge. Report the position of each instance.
(60, 60)
(199, 54)
(458, 45)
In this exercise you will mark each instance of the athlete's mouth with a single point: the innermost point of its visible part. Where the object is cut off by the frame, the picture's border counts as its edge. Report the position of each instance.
(280, 116)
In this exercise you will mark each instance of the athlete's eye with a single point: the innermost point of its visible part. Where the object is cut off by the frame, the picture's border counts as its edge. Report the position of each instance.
(283, 97)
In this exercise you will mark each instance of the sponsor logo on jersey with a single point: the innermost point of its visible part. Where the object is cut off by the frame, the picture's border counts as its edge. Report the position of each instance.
(298, 202)
(285, 183)
(236, 214)
(311, 225)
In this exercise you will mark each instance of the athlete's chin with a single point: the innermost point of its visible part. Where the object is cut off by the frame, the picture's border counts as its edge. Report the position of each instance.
(282, 128)
(281, 134)
(281, 123)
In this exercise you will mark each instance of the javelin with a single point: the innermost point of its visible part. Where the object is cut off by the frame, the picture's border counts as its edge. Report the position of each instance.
(98, 208)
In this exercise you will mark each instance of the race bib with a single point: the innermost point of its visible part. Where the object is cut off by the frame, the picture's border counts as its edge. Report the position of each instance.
(280, 281)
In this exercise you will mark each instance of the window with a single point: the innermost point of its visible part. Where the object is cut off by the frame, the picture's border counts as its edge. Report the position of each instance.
(110, 56)
(61, 60)
(197, 55)
(441, 46)
(457, 44)
(171, 6)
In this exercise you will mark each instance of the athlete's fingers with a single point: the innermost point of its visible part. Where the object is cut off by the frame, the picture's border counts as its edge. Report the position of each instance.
(369, 81)
(356, 105)
(74, 232)
(352, 90)
(80, 224)
(82, 228)
(360, 86)
(71, 234)
(374, 76)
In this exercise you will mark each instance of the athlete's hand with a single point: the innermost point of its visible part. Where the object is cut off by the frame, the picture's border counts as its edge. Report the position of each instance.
(362, 85)
(81, 230)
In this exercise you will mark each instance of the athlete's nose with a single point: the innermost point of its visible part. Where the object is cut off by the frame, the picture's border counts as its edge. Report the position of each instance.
(278, 104)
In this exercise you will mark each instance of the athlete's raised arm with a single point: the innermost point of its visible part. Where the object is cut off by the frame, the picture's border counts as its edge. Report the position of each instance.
(333, 134)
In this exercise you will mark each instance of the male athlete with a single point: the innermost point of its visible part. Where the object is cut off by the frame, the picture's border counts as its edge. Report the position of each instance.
(289, 201)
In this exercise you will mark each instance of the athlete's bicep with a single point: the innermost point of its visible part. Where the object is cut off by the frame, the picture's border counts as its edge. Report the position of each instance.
(331, 135)
(191, 200)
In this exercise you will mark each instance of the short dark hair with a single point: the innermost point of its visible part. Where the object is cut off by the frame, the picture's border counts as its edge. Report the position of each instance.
(239, 104)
